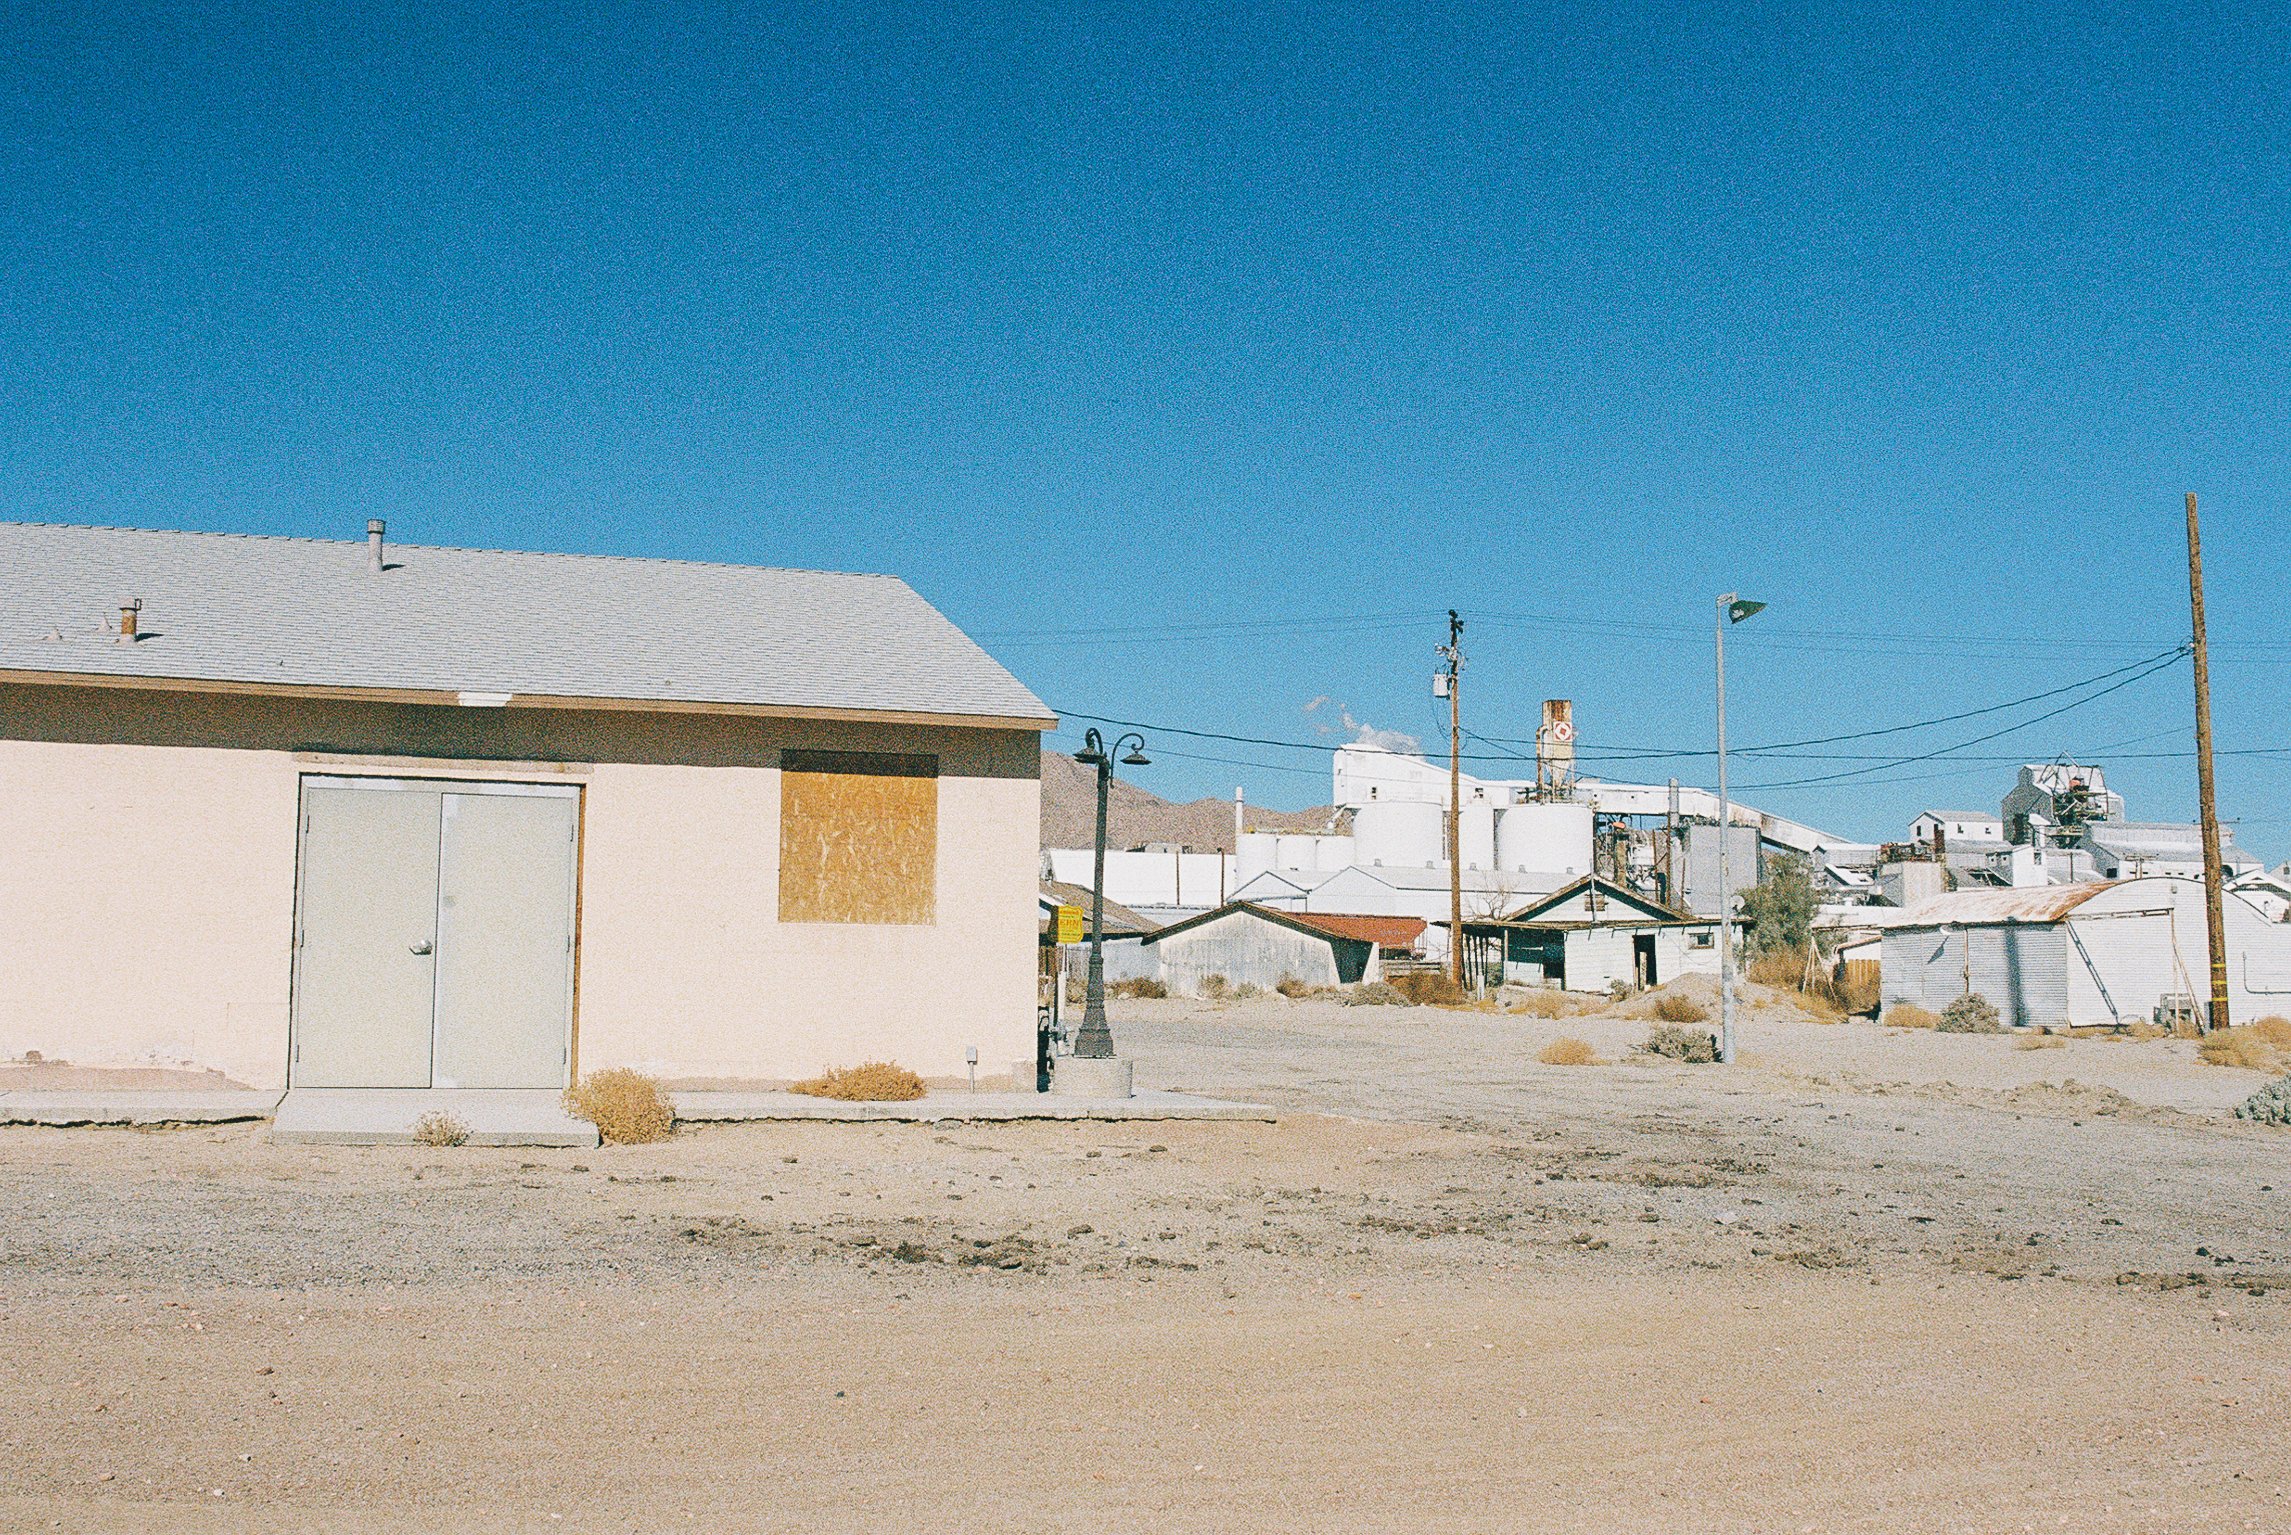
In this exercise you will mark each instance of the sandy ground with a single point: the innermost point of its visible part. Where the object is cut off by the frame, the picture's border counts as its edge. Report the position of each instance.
(1866, 1281)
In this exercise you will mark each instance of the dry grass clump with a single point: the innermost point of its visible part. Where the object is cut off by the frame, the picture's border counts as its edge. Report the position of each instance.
(2040, 1042)
(1543, 1003)
(1856, 991)
(1135, 986)
(869, 1082)
(438, 1128)
(1568, 1051)
(1373, 994)
(2264, 1045)
(627, 1107)
(1693, 1045)
(1676, 1009)
(1292, 988)
(1908, 1015)
(1785, 968)
(2141, 1028)
(1429, 988)
(1215, 987)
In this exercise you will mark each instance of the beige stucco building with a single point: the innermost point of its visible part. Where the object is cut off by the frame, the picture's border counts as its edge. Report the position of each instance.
(333, 814)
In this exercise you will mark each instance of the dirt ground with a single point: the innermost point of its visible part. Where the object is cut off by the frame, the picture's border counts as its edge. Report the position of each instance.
(1863, 1281)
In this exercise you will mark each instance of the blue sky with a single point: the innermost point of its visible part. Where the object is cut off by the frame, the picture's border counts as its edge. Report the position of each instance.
(1198, 359)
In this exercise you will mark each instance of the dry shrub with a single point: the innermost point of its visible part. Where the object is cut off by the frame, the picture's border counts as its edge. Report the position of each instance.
(1289, 986)
(1430, 988)
(1216, 987)
(627, 1107)
(1971, 1013)
(2248, 1045)
(1135, 986)
(1544, 1004)
(1568, 1051)
(1677, 1009)
(1908, 1015)
(2040, 1042)
(1373, 994)
(2141, 1028)
(438, 1128)
(1695, 1045)
(1248, 989)
(869, 1082)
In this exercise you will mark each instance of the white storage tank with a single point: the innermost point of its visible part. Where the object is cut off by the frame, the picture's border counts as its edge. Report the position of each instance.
(1296, 851)
(1398, 833)
(1545, 839)
(1334, 853)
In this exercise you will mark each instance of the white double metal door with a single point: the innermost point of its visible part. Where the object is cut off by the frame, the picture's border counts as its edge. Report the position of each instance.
(434, 934)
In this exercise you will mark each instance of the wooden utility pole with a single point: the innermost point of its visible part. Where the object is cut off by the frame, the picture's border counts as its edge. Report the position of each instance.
(2214, 901)
(1453, 654)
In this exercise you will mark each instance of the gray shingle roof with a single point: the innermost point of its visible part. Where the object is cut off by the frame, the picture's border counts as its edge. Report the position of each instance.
(239, 608)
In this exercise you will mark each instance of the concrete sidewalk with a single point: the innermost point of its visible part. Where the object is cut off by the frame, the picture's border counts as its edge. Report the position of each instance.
(386, 1116)
(369, 1116)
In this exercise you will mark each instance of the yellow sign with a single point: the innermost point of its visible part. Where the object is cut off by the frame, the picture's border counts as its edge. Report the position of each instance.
(1070, 924)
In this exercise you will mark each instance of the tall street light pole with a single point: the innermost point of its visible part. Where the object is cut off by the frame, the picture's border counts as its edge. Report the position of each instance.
(1731, 610)
(1095, 1041)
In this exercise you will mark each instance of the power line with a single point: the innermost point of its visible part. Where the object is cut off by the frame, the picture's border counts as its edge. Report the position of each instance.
(2138, 670)
(1910, 761)
(1627, 753)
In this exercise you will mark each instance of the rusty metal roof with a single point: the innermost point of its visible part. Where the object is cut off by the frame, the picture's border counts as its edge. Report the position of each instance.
(2043, 903)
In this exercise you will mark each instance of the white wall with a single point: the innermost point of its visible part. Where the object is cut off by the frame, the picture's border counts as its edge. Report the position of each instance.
(1150, 879)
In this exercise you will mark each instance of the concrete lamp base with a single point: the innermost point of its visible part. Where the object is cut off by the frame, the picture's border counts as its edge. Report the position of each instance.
(1078, 1076)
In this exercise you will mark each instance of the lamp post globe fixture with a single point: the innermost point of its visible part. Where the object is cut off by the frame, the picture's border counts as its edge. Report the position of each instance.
(1095, 1041)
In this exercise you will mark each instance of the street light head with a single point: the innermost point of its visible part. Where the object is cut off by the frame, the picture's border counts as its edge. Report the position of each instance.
(1093, 752)
(1137, 758)
(1089, 758)
(1741, 608)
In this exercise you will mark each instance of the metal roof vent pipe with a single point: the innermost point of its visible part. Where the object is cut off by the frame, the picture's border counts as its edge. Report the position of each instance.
(374, 530)
(129, 612)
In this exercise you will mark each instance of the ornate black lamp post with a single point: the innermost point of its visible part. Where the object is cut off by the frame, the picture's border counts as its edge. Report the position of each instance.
(1096, 1041)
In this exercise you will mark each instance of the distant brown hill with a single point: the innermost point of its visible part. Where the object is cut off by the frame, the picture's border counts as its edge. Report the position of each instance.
(1135, 817)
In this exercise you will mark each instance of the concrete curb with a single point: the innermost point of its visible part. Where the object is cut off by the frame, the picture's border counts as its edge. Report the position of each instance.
(64, 1109)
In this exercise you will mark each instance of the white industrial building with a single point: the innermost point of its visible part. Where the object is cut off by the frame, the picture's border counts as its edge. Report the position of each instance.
(2089, 954)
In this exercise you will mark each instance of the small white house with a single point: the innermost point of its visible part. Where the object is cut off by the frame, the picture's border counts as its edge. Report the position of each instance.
(2092, 954)
(1958, 826)
(1590, 936)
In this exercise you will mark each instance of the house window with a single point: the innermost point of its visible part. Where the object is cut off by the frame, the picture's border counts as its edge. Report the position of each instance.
(859, 837)
(1701, 938)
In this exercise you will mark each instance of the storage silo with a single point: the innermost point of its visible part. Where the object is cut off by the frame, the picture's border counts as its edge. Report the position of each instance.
(1545, 839)
(1398, 833)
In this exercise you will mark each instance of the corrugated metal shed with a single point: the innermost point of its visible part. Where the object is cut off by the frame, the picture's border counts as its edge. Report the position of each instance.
(292, 613)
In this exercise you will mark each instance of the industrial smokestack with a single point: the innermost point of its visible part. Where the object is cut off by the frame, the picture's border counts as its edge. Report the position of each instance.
(374, 530)
(1240, 822)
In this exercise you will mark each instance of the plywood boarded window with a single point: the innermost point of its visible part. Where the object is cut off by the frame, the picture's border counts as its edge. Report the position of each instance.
(859, 837)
